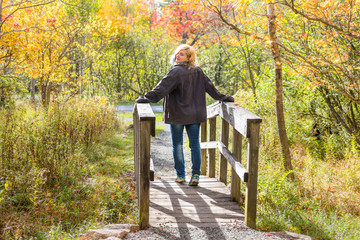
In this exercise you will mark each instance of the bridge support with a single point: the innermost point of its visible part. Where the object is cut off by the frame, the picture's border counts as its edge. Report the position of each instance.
(244, 124)
(144, 127)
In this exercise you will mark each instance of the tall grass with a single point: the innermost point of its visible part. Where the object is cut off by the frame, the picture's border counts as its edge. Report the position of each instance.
(52, 177)
(323, 200)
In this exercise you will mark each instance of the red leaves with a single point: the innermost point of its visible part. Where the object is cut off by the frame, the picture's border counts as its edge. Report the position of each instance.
(51, 20)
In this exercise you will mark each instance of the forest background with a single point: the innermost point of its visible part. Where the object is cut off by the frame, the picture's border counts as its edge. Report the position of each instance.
(65, 156)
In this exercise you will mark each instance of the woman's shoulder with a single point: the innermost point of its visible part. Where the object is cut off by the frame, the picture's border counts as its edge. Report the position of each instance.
(198, 69)
(181, 68)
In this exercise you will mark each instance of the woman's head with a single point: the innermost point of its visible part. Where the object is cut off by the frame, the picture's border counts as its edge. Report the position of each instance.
(185, 53)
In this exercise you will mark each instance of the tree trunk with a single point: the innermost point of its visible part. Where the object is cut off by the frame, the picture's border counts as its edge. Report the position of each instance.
(82, 86)
(279, 89)
(45, 90)
(32, 90)
(43, 94)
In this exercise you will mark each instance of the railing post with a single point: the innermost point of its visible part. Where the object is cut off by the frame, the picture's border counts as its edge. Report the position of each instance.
(144, 172)
(223, 162)
(252, 166)
(212, 137)
(235, 179)
(144, 127)
(203, 151)
(136, 147)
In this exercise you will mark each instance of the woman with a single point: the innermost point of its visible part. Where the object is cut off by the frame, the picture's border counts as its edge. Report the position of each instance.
(184, 88)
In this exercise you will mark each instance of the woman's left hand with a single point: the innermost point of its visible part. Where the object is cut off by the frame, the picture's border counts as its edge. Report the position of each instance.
(142, 99)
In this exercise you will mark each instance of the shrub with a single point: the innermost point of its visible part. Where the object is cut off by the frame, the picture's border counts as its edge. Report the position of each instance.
(43, 167)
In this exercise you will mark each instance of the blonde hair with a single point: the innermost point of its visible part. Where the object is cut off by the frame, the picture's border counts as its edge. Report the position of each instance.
(189, 51)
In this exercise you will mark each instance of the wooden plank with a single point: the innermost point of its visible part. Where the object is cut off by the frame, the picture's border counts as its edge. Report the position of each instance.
(189, 225)
(201, 209)
(235, 179)
(145, 113)
(200, 217)
(136, 148)
(172, 184)
(144, 172)
(213, 110)
(195, 219)
(203, 151)
(166, 203)
(212, 137)
(197, 214)
(205, 183)
(183, 191)
(209, 145)
(237, 166)
(169, 188)
(193, 197)
(224, 135)
(171, 180)
(238, 117)
(151, 169)
(216, 196)
(224, 151)
(251, 187)
(224, 213)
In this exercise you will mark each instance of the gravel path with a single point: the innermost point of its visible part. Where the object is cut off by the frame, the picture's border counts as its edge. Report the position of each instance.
(161, 152)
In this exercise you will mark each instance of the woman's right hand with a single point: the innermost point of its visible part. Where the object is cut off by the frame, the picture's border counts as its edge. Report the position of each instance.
(228, 98)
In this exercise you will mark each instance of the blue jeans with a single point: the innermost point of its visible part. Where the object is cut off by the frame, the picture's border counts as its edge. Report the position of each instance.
(192, 131)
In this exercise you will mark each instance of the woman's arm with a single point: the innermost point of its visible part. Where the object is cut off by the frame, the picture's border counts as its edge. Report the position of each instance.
(163, 88)
(213, 92)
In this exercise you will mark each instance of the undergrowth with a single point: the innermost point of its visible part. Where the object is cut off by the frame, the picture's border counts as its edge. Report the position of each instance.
(64, 169)
(323, 200)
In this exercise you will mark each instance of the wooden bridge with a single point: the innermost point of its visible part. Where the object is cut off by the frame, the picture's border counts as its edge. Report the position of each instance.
(211, 203)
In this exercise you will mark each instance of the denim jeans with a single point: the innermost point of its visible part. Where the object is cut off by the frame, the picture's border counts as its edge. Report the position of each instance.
(192, 131)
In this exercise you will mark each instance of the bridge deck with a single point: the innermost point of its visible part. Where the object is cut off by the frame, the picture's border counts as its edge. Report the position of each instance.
(180, 205)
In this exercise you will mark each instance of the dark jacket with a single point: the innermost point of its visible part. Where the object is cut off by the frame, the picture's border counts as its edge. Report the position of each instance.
(184, 91)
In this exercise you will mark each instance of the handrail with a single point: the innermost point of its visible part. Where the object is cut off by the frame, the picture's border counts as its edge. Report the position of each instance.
(245, 124)
(144, 128)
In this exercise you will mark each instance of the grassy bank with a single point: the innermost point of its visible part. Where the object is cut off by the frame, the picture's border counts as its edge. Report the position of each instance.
(64, 169)
(323, 200)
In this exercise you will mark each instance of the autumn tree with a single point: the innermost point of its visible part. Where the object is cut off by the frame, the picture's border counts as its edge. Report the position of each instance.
(253, 25)
(132, 57)
(275, 50)
(322, 45)
(48, 47)
(14, 22)
(185, 21)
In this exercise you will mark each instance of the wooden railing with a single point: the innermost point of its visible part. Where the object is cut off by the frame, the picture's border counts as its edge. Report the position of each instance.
(144, 128)
(244, 124)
